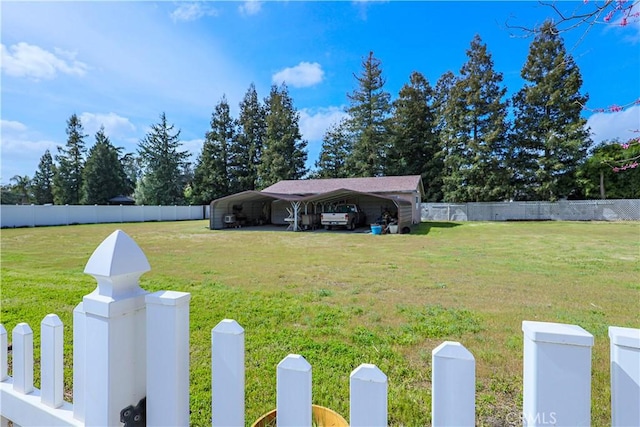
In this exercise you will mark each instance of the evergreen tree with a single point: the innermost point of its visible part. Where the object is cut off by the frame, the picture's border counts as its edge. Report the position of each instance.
(68, 179)
(103, 176)
(550, 139)
(441, 92)
(246, 152)
(476, 132)
(283, 153)
(415, 148)
(369, 111)
(43, 179)
(163, 164)
(212, 178)
(336, 146)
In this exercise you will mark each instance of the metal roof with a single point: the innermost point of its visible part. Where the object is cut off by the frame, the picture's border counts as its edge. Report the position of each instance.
(381, 184)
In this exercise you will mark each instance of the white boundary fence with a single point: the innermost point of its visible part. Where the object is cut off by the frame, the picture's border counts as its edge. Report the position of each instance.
(131, 365)
(578, 210)
(39, 215)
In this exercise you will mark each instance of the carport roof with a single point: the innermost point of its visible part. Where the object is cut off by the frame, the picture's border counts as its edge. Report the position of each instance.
(381, 184)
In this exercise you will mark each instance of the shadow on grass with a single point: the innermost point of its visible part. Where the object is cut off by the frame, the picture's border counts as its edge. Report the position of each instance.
(425, 227)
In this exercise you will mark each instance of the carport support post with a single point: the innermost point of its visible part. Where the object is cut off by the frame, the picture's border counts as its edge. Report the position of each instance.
(296, 210)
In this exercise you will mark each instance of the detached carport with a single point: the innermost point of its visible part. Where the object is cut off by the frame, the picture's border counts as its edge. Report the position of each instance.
(258, 207)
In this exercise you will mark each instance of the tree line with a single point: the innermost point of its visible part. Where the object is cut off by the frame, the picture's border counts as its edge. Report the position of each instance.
(467, 140)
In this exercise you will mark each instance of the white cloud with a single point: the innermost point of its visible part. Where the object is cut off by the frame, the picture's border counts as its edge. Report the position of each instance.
(609, 126)
(315, 123)
(192, 11)
(114, 125)
(302, 75)
(12, 126)
(21, 149)
(25, 60)
(250, 7)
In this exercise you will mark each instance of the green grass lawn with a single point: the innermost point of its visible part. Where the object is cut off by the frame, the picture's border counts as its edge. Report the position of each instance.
(342, 299)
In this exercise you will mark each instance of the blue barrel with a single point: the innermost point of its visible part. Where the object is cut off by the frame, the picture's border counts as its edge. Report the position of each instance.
(376, 229)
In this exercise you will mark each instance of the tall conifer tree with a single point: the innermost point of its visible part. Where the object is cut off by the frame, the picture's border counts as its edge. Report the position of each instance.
(163, 166)
(284, 152)
(246, 152)
(476, 132)
(103, 175)
(369, 113)
(212, 177)
(336, 146)
(43, 179)
(415, 148)
(550, 138)
(68, 178)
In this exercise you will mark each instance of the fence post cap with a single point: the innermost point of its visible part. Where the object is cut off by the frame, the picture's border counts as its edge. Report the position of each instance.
(452, 350)
(51, 320)
(228, 326)
(625, 337)
(22, 329)
(294, 362)
(557, 333)
(368, 372)
(171, 298)
(117, 255)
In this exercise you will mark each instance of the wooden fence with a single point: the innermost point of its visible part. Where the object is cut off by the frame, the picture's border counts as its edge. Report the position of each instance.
(131, 366)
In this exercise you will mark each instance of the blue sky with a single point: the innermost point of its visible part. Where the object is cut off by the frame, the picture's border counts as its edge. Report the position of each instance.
(121, 64)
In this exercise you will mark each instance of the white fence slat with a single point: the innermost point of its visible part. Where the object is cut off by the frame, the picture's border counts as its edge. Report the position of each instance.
(22, 358)
(227, 374)
(625, 376)
(167, 358)
(557, 374)
(4, 362)
(79, 361)
(368, 397)
(453, 385)
(293, 395)
(51, 362)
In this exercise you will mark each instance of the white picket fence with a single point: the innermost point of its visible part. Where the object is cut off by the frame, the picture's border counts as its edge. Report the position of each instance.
(131, 364)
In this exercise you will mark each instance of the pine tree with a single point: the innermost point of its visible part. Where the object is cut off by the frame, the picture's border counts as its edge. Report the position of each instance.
(246, 152)
(163, 164)
(283, 154)
(103, 176)
(68, 179)
(212, 178)
(476, 132)
(550, 139)
(336, 146)
(43, 179)
(369, 121)
(415, 148)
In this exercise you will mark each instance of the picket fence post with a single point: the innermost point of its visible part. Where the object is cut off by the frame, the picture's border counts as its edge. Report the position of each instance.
(453, 384)
(293, 394)
(113, 345)
(368, 397)
(167, 358)
(22, 358)
(227, 374)
(4, 360)
(625, 376)
(557, 375)
(51, 361)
